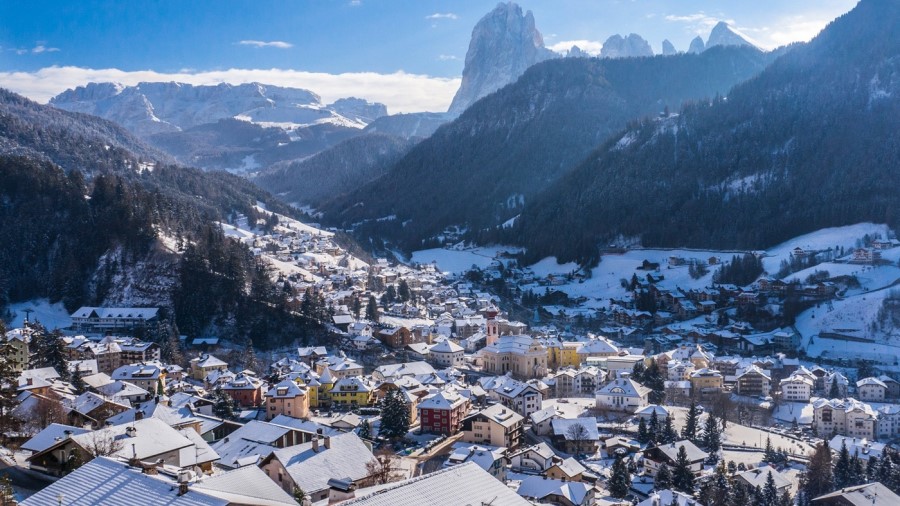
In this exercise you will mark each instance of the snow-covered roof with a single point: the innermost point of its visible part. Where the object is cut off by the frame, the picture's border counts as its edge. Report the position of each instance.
(144, 313)
(442, 488)
(50, 436)
(310, 469)
(757, 477)
(106, 481)
(442, 400)
(563, 427)
(446, 346)
(539, 487)
(247, 485)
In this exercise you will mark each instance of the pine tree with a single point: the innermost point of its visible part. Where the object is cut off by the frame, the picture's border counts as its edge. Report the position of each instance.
(357, 307)
(643, 435)
(394, 415)
(785, 499)
(620, 479)
(872, 466)
(372, 309)
(857, 471)
(654, 380)
(668, 432)
(682, 476)
(403, 292)
(653, 429)
(224, 406)
(365, 430)
(663, 480)
(834, 392)
(712, 436)
(818, 478)
(769, 452)
(739, 494)
(843, 470)
(689, 431)
(78, 384)
(770, 493)
(637, 372)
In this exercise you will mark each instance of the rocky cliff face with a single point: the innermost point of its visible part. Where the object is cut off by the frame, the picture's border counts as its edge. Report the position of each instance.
(724, 35)
(625, 47)
(668, 49)
(504, 44)
(697, 45)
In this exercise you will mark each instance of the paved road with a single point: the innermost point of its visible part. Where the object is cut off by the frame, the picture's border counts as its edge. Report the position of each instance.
(24, 482)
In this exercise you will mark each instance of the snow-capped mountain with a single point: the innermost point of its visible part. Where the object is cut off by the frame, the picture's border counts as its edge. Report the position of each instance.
(152, 108)
(504, 44)
(724, 34)
(633, 45)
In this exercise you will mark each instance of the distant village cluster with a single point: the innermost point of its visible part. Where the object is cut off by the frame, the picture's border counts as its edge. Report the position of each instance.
(427, 382)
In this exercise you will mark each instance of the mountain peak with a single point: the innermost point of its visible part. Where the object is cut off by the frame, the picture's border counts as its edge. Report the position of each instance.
(668, 49)
(724, 34)
(504, 44)
(625, 47)
(697, 45)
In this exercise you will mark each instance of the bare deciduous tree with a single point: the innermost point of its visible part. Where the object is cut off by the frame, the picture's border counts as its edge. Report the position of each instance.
(384, 468)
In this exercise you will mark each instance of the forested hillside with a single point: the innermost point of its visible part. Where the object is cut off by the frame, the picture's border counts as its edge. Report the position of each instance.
(83, 215)
(810, 143)
(335, 171)
(477, 171)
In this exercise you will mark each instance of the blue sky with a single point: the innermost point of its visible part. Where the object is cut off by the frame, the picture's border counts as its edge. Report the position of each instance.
(406, 53)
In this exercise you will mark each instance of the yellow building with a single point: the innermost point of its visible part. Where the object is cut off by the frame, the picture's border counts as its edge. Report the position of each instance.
(349, 393)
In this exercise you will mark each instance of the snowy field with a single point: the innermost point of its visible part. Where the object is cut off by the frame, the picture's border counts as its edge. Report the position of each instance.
(835, 237)
(52, 316)
(458, 261)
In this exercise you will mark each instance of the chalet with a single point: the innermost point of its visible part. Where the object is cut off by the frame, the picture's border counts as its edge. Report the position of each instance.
(287, 398)
(310, 466)
(396, 337)
(443, 413)
(622, 394)
(496, 425)
(668, 454)
(575, 435)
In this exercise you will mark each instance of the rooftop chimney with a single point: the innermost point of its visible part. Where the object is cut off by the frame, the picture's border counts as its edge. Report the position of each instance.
(315, 444)
(327, 442)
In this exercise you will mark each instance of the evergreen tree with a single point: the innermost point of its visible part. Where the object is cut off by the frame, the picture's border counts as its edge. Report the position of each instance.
(689, 431)
(769, 453)
(356, 307)
(872, 466)
(682, 476)
(403, 292)
(654, 380)
(668, 432)
(785, 499)
(843, 470)
(770, 493)
(365, 430)
(643, 435)
(394, 415)
(77, 381)
(637, 372)
(663, 480)
(391, 294)
(739, 494)
(818, 478)
(653, 429)
(372, 309)
(857, 471)
(712, 436)
(620, 479)
(834, 392)
(224, 406)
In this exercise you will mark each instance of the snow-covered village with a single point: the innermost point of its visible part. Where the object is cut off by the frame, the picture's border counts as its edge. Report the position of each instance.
(661, 377)
(469, 253)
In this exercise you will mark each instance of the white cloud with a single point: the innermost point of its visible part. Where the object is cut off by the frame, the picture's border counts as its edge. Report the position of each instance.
(40, 48)
(447, 57)
(699, 23)
(790, 29)
(442, 15)
(591, 47)
(262, 43)
(400, 91)
(355, 3)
